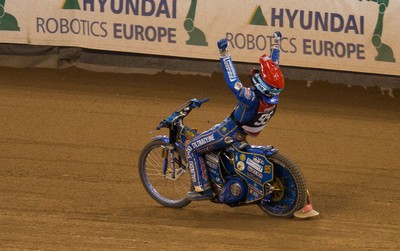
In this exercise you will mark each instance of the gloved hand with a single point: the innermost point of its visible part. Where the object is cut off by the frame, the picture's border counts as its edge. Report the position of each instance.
(277, 37)
(196, 103)
(278, 34)
(223, 45)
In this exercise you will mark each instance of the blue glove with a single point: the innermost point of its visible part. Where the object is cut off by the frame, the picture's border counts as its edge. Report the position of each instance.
(278, 35)
(277, 38)
(222, 44)
(196, 103)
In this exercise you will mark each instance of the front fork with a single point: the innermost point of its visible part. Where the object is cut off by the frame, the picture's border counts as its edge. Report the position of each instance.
(170, 170)
(169, 150)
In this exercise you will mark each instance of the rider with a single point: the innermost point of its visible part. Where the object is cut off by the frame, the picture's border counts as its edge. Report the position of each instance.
(256, 105)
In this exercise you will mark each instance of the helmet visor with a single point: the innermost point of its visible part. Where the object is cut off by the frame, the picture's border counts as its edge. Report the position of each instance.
(265, 88)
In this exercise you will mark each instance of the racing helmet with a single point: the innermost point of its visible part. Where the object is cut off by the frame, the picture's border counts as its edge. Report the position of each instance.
(269, 79)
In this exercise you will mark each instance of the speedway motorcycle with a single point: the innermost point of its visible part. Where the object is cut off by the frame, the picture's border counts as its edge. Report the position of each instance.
(241, 174)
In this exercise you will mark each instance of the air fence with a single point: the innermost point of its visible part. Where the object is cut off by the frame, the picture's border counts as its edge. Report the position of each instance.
(351, 42)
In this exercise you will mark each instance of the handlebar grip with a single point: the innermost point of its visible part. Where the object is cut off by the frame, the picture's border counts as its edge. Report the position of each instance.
(161, 125)
(204, 100)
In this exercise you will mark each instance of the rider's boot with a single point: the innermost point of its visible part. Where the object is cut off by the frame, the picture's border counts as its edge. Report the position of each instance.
(205, 195)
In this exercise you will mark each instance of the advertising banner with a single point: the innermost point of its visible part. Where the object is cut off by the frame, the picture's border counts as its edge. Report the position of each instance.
(346, 35)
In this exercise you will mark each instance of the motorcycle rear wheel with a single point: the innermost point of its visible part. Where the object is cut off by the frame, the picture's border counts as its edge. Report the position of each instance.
(290, 190)
(155, 173)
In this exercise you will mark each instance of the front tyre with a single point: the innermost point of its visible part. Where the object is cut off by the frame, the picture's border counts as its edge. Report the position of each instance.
(157, 176)
(289, 190)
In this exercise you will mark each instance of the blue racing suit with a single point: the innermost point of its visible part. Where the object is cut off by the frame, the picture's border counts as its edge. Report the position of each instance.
(249, 117)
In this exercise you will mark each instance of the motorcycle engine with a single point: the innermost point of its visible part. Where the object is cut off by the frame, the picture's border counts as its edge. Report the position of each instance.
(233, 191)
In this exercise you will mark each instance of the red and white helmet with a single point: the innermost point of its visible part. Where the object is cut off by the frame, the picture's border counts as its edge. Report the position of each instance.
(269, 80)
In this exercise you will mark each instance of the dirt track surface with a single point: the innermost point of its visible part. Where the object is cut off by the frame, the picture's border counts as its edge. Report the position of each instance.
(70, 141)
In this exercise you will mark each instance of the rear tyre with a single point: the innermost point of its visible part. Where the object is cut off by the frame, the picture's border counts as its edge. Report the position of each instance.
(290, 190)
(156, 175)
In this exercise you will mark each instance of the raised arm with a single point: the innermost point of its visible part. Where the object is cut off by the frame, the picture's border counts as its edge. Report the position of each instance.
(276, 47)
(230, 75)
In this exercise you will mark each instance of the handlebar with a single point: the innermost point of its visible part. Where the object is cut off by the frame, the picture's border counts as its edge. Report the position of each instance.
(161, 125)
(203, 101)
(181, 112)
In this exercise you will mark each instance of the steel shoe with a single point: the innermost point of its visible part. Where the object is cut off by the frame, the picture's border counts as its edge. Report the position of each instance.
(205, 195)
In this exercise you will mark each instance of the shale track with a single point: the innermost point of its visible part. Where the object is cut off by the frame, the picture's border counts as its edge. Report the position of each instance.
(70, 141)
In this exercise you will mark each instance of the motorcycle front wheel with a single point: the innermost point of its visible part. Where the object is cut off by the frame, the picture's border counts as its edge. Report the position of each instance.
(289, 191)
(166, 186)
